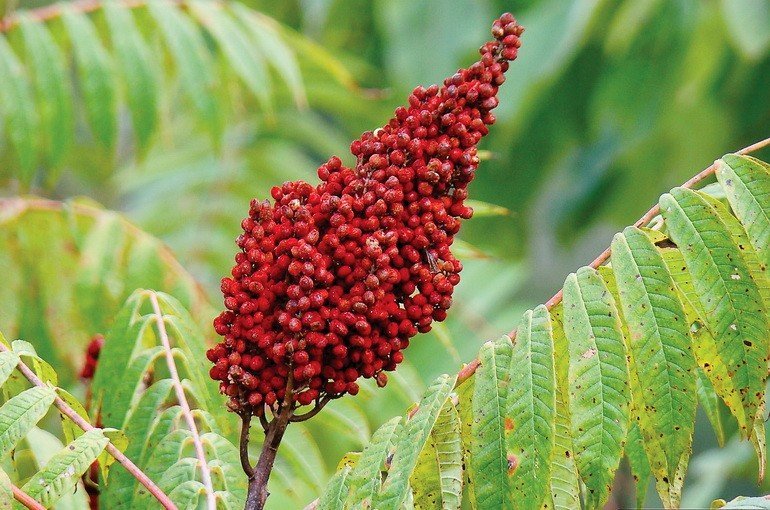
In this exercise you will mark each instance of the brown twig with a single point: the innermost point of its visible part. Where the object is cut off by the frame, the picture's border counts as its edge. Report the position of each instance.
(317, 409)
(257, 495)
(182, 398)
(244, 445)
(78, 420)
(469, 369)
(25, 499)
(49, 12)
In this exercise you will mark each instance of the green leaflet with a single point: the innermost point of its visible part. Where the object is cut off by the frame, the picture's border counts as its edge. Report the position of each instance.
(366, 476)
(6, 492)
(709, 400)
(532, 407)
(598, 381)
(490, 464)
(162, 426)
(70, 429)
(224, 462)
(437, 479)
(243, 55)
(8, 362)
(187, 494)
(41, 367)
(729, 298)
(139, 70)
(64, 470)
(300, 452)
(21, 413)
(95, 74)
(465, 393)
(746, 183)
(192, 59)
(18, 109)
(265, 34)
(52, 87)
(660, 357)
(410, 444)
(705, 347)
(41, 447)
(637, 461)
(333, 497)
(564, 482)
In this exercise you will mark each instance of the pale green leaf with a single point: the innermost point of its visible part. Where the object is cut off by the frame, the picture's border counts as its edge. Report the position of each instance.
(564, 483)
(333, 498)
(532, 407)
(21, 413)
(17, 109)
(729, 298)
(265, 33)
(660, 356)
(709, 401)
(490, 463)
(8, 362)
(138, 68)
(241, 52)
(52, 86)
(410, 444)
(60, 475)
(95, 75)
(598, 381)
(6, 492)
(637, 461)
(438, 477)
(366, 477)
(746, 182)
(192, 59)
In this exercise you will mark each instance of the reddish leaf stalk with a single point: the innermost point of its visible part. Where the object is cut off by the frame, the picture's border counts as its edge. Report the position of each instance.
(25, 499)
(181, 397)
(78, 420)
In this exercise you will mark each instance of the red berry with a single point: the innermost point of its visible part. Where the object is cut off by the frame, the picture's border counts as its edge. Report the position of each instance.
(331, 281)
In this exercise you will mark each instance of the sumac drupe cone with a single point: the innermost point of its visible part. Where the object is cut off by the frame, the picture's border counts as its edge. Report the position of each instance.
(331, 281)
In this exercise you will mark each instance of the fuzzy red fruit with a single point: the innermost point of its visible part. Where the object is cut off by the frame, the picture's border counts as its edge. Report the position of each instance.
(332, 280)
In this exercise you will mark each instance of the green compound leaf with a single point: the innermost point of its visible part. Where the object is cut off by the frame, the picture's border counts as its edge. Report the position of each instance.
(410, 444)
(598, 381)
(490, 463)
(21, 413)
(60, 475)
(192, 59)
(729, 298)
(244, 58)
(660, 357)
(532, 407)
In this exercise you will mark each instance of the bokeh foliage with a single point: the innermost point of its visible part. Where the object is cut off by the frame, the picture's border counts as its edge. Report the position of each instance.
(610, 103)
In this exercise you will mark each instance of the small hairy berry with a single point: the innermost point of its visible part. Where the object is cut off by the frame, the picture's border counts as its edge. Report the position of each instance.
(331, 281)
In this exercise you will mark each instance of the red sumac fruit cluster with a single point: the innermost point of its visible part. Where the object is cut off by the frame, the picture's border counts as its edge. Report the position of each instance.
(331, 281)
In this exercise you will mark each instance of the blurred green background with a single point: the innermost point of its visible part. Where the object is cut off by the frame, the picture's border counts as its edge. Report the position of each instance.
(610, 104)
